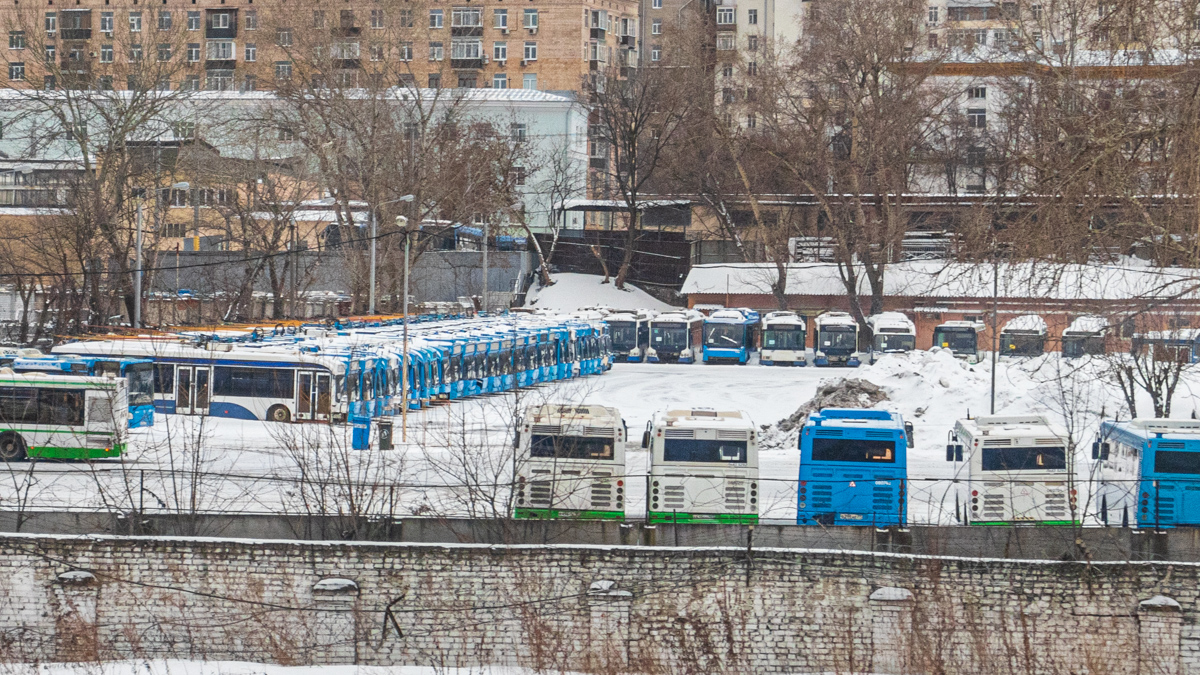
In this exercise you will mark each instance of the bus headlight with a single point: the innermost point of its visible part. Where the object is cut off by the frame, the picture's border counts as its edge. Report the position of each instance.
(685, 353)
(635, 352)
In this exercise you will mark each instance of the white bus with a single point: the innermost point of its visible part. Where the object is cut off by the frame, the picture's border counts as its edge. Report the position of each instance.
(269, 382)
(783, 340)
(570, 463)
(703, 467)
(1018, 470)
(835, 340)
(1025, 335)
(894, 333)
(961, 338)
(62, 416)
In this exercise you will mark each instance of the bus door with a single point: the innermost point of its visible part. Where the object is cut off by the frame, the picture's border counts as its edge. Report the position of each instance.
(306, 394)
(191, 390)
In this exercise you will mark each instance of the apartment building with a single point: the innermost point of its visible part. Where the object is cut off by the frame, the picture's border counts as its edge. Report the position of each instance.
(240, 45)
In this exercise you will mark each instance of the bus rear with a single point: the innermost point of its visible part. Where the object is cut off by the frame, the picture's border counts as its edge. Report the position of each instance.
(570, 463)
(853, 468)
(1149, 473)
(703, 467)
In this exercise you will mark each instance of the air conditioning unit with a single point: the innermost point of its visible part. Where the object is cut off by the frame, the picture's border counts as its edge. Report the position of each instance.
(484, 59)
(504, 31)
(502, 61)
(533, 31)
(524, 63)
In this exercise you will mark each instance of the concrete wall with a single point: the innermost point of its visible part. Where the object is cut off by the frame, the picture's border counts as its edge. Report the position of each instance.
(630, 609)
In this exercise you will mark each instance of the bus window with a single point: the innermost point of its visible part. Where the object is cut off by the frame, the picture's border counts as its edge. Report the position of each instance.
(853, 450)
(18, 405)
(164, 379)
(141, 384)
(1024, 459)
(60, 406)
(703, 450)
(100, 410)
(570, 447)
(1173, 461)
(255, 382)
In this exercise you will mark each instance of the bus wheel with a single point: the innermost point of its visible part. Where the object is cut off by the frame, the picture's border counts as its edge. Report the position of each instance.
(279, 413)
(12, 447)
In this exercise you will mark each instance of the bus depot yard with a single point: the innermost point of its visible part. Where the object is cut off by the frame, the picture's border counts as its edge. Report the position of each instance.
(457, 459)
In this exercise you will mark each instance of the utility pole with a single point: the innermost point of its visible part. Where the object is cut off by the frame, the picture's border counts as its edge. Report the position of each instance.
(374, 236)
(485, 266)
(404, 371)
(137, 271)
(995, 317)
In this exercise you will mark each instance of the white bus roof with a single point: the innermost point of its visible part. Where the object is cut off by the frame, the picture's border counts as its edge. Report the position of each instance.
(1087, 324)
(224, 351)
(689, 315)
(1011, 425)
(594, 415)
(783, 319)
(836, 319)
(972, 325)
(704, 418)
(9, 377)
(1163, 426)
(894, 320)
(1026, 323)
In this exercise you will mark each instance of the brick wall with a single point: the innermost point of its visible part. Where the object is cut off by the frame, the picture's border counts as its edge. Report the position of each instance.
(665, 609)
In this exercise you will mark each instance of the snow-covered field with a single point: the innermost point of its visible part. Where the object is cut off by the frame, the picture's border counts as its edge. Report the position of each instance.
(457, 458)
(573, 291)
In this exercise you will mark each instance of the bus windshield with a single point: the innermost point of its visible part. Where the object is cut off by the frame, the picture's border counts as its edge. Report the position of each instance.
(1024, 459)
(669, 335)
(728, 336)
(570, 447)
(791, 337)
(624, 335)
(957, 341)
(703, 450)
(1174, 461)
(838, 337)
(893, 342)
(1017, 344)
(853, 450)
(141, 384)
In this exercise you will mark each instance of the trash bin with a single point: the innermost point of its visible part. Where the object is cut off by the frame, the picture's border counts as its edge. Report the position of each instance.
(385, 434)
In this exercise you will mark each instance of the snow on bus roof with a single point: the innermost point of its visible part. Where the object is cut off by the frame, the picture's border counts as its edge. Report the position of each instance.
(891, 320)
(1088, 324)
(940, 279)
(1026, 322)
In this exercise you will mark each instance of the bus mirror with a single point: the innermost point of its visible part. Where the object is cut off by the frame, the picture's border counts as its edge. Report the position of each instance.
(958, 452)
(950, 452)
(1100, 450)
(954, 452)
(908, 433)
(646, 439)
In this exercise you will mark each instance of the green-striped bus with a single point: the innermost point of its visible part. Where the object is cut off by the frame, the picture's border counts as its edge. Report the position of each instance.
(61, 417)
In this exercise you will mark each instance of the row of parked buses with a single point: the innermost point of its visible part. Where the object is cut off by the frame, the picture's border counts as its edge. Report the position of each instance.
(328, 372)
(1016, 470)
(781, 338)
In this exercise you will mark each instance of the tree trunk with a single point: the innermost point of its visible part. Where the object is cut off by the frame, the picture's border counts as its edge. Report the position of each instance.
(603, 263)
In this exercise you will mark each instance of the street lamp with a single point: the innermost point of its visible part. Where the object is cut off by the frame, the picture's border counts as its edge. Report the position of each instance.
(401, 221)
(374, 237)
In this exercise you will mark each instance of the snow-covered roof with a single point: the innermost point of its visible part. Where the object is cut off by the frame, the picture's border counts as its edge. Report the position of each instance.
(704, 418)
(941, 279)
(836, 319)
(732, 316)
(1087, 324)
(1031, 323)
(891, 320)
(783, 318)
(678, 317)
(1011, 426)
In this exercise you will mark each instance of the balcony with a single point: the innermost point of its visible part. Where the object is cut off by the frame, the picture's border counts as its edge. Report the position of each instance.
(75, 33)
(220, 64)
(347, 31)
(598, 33)
(213, 28)
(466, 31)
(628, 41)
(347, 64)
(467, 64)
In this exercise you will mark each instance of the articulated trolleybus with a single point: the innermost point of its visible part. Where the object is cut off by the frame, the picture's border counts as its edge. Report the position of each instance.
(62, 416)
(1149, 473)
(570, 463)
(1019, 472)
(730, 335)
(783, 340)
(703, 467)
(853, 468)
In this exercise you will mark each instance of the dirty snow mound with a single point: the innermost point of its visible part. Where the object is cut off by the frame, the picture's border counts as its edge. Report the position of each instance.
(571, 292)
(843, 392)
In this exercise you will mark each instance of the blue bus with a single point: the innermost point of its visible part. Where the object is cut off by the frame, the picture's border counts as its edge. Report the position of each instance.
(853, 468)
(730, 335)
(138, 374)
(1149, 472)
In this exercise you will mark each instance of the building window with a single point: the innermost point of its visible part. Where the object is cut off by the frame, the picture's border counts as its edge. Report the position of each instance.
(106, 53)
(531, 51)
(51, 52)
(466, 17)
(934, 15)
(531, 18)
(251, 20)
(135, 53)
(283, 70)
(318, 18)
(283, 37)
(193, 20)
(933, 40)
(725, 42)
(500, 81)
(977, 118)
(104, 83)
(751, 121)
(135, 22)
(752, 68)
(726, 70)
(752, 17)
(285, 134)
(436, 51)
(976, 156)
(219, 80)
(51, 23)
(529, 81)
(190, 83)
(376, 52)
(727, 95)
(518, 132)
(655, 53)
(518, 176)
(725, 16)
(500, 19)
(16, 71)
(106, 22)
(656, 27)
(436, 18)
(249, 83)
(377, 18)
(435, 80)
(251, 52)
(977, 92)
(752, 43)
(220, 50)
(467, 81)
(220, 20)
(164, 20)
(406, 51)
(1035, 11)
(164, 52)
(500, 51)
(656, 4)
(193, 52)
(350, 50)
(16, 39)
(466, 49)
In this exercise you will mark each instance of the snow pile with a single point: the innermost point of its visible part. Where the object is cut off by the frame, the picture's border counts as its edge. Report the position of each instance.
(571, 292)
(840, 393)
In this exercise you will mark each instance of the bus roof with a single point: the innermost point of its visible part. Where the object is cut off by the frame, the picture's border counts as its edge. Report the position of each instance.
(703, 418)
(10, 378)
(895, 321)
(1010, 425)
(1148, 428)
(961, 326)
(836, 319)
(856, 417)
(1026, 323)
(595, 415)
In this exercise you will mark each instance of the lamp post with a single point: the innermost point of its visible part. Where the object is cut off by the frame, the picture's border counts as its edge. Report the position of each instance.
(137, 272)
(374, 239)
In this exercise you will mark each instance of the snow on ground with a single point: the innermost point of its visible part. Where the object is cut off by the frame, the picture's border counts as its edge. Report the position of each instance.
(574, 291)
(456, 459)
